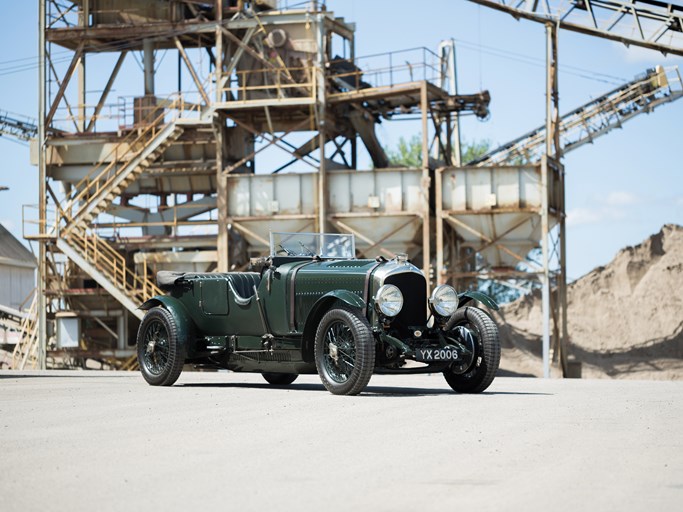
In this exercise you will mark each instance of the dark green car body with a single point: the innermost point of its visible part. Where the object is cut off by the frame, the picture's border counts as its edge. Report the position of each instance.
(266, 321)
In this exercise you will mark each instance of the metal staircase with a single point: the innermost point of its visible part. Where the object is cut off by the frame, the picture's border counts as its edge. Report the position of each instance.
(95, 193)
(99, 194)
(127, 160)
(108, 268)
(597, 117)
(25, 354)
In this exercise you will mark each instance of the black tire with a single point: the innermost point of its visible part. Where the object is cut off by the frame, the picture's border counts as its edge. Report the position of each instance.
(479, 375)
(345, 369)
(161, 355)
(280, 379)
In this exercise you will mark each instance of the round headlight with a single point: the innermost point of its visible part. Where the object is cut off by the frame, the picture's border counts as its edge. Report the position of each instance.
(389, 300)
(444, 300)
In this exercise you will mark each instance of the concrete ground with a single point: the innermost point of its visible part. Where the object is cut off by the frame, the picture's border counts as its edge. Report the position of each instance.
(108, 441)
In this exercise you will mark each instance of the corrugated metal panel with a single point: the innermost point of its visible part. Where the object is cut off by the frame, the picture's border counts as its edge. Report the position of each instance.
(264, 195)
(485, 188)
(398, 191)
(485, 199)
(390, 198)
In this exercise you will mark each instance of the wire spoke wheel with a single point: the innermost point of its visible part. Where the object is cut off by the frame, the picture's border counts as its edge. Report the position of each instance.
(478, 334)
(344, 351)
(466, 336)
(161, 355)
(339, 352)
(156, 352)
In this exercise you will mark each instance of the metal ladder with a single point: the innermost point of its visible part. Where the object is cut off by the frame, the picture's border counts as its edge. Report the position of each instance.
(25, 353)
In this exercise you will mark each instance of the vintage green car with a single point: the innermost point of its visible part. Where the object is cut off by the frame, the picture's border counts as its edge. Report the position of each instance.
(312, 307)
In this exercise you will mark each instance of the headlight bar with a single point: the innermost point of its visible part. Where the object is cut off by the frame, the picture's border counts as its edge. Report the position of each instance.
(389, 300)
(444, 300)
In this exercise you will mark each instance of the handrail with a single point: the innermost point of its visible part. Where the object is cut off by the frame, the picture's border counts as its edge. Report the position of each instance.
(107, 260)
(28, 335)
(134, 142)
(93, 248)
(86, 183)
(303, 84)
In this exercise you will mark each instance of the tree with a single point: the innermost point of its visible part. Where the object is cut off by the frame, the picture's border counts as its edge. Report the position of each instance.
(408, 153)
(475, 149)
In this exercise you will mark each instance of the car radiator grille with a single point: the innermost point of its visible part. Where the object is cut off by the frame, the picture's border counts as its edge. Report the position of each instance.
(414, 312)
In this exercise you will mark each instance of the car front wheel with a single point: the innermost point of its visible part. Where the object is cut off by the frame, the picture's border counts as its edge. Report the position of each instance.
(160, 354)
(344, 351)
(479, 335)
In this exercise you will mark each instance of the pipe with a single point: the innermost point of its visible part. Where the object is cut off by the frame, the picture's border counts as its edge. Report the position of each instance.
(148, 50)
(42, 194)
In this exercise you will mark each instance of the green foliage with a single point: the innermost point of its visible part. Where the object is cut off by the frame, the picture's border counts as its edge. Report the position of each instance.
(408, 153)
(475, 149)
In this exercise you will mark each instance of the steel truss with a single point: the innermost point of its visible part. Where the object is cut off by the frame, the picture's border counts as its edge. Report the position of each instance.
(584, 124)
(653, 24)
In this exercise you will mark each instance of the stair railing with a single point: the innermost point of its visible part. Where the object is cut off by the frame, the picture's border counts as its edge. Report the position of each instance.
(126, 149)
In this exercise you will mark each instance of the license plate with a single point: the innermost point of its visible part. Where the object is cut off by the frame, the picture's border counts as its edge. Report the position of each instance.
(436, 354)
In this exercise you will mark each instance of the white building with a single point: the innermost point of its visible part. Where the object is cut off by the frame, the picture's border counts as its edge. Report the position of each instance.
(17, 282)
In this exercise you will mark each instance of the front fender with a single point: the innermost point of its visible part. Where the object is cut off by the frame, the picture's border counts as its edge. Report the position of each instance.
(345, 296)
(183, 320)
(470, 295)
(321, 306)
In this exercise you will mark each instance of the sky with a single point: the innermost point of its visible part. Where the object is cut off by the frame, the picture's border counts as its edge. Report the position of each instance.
(620, 190)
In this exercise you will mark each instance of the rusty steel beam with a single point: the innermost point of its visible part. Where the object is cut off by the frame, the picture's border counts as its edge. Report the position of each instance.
(106, 91)
(642, 23)
(272, 140)
(65, 82)
(192, 71)
(462, 225)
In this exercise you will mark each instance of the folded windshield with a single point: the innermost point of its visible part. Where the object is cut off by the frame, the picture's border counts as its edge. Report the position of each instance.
(325, 245)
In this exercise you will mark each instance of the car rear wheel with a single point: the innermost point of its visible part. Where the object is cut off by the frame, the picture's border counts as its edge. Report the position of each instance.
(344, 351)
(279, 379)
(481, 334)
(160, 354)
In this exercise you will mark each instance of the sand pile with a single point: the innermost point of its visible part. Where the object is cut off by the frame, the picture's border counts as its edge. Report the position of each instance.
(625, 319)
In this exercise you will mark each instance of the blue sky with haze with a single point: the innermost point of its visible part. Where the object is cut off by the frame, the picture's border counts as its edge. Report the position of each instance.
(620, 189)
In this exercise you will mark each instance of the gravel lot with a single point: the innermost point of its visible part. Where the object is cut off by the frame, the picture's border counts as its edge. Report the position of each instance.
(108, 441)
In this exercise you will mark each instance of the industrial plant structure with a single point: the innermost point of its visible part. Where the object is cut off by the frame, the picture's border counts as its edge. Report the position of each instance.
(259, 130)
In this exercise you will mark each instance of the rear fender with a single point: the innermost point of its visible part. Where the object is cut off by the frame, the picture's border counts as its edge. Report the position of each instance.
(183, 320)
(470, 295)
(322, 306)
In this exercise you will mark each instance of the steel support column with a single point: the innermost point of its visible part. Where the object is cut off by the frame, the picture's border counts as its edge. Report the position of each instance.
(83, 16)
(426, 249)
(222, 243)
(550, 147)
(438, 189)
(321, 105)
(219, 51)
(42, 193)
(223, 238)
(564, 314)
(148, 62)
